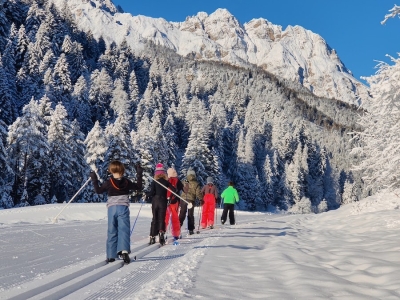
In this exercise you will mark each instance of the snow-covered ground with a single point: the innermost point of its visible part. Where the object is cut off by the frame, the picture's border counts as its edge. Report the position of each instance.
(350, 253)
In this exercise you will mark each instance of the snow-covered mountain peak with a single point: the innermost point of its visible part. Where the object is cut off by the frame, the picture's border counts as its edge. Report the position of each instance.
(295, 53)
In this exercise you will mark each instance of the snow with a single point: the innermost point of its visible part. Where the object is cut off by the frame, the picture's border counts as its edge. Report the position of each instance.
(294, 53)
(350, 253)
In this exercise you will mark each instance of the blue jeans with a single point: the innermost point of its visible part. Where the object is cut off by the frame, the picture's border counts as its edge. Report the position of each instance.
(118, 235)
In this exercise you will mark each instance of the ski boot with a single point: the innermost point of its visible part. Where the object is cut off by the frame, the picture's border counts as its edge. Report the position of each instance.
(176, 238)
(191, 232)
(152, 240)
(125, 257)
(161, 238)
(211, 226)
(110, 260)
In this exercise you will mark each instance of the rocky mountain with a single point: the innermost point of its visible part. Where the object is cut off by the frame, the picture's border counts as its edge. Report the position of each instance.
(294, 53)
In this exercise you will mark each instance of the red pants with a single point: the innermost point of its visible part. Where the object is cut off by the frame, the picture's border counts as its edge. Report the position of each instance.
(172, 212)
(207, 215)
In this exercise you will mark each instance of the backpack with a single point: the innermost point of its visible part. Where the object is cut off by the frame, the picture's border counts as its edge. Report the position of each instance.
(174, 182)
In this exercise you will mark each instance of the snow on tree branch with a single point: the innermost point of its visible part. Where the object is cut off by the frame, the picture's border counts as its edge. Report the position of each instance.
(394, 12)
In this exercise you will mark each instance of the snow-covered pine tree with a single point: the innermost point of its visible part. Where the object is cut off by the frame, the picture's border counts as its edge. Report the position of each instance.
(96, 147)
(60, 154)
(169, 131)
(246, 177)
(76, 62)
(120, 145)
(27, 145)
(61, 86)
(6, 101)
(81, 107)
(100, 95)
(144, 143)
(349, 195)
(197, 154)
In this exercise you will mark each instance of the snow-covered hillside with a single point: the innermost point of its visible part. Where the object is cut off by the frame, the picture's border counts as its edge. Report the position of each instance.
(293, 53)
(349, 253)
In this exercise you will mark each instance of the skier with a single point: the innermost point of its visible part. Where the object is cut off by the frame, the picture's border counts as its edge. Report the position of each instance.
(191, 192)
(118, 189)
(230, 197)
(173, 204)
(159, 204)
(210, 193)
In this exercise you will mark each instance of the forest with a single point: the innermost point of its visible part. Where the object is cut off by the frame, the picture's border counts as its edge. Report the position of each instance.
(71, 104)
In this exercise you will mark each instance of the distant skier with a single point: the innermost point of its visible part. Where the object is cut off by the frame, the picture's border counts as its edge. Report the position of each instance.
(210, 193)
(191, 192)
(159, 204)
(118, 189)
(173, 201)
(230, 196)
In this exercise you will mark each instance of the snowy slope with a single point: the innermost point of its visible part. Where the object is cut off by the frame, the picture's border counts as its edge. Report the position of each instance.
(293, 53)
(350, 253)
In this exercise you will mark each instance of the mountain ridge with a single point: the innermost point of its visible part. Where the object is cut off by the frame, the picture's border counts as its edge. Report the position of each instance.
(294, 53)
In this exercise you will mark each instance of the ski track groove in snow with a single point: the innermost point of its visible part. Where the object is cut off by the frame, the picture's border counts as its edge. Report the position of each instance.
(176, 262)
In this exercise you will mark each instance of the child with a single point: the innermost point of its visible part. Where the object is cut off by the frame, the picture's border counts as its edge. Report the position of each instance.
(230, 196)
(159, 204)
(118, 189)
(210, 193)
(173, 207)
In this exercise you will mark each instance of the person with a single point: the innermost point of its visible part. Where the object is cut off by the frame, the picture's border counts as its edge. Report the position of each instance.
(118, 189)
(173, 204)
(191, 192)
(158, 193)
(210, 193)
(230, 196)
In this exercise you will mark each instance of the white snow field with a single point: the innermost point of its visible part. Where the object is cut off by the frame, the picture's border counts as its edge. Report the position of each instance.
(350, 253)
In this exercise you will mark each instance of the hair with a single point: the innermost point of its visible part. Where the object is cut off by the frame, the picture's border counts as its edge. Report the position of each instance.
(162, 175)
(231, 183)
(116, 167)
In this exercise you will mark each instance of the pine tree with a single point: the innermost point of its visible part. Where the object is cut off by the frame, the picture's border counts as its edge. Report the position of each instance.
(81, 107)
(27, 145)
(100, 95)
(6, 101)
(60, 153)
(96, 147)
(120, 145)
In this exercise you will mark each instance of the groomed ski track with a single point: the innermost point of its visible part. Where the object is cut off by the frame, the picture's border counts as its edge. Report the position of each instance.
(93, 278)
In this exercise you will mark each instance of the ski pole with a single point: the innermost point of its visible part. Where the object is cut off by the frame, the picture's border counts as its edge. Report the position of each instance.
(190, 205)
(134, 223)
(199, 216)
(55, 220)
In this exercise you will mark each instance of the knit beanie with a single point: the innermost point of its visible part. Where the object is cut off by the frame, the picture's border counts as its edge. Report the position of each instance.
(210, 180)
(159, 169)
(191, 172)
(172, 173)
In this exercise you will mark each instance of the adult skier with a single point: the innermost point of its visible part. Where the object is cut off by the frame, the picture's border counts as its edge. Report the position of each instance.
(158, 193)
(191, 192)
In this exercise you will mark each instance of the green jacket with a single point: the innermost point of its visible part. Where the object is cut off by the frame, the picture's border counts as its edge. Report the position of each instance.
(230, 195)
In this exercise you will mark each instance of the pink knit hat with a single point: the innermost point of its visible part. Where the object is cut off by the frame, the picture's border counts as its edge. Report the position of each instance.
(159, 169)
(172, 173)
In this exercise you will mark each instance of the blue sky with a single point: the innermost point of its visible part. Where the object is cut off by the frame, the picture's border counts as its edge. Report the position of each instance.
(352, 27)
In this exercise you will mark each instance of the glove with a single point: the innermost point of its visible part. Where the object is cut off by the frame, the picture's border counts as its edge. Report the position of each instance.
(139, 169)
(93, 175)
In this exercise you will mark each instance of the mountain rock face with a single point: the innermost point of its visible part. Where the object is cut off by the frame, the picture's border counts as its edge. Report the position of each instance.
(295, 54)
